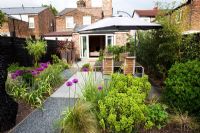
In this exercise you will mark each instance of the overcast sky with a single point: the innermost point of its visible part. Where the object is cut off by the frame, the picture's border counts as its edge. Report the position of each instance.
(125, 5)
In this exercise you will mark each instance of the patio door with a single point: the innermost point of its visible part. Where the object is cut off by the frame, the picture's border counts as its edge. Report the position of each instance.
(84, 46)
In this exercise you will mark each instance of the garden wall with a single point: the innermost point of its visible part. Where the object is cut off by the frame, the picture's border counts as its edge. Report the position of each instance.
(15, 49)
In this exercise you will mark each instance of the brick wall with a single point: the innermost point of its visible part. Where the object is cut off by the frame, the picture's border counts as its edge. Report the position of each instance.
(75, 39)
(21, 28)
(44, 23)
(78, 19)
(107, 8)
(190, 16)
(121, 38)
(195, 11)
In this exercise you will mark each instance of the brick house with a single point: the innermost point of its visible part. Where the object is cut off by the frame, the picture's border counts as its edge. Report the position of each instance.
(71, 20)
(14, 26)
(40, 19)
(187, 15)
(146, 15)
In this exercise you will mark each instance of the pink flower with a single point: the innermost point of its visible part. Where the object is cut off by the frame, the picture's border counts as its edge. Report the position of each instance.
(75, 80)
(69, 83)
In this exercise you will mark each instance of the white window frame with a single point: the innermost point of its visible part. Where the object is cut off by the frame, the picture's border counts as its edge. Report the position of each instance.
(87, 45)
(87, 20)
(96, 3)
(113, 39)
(31, 22)
(71, 24)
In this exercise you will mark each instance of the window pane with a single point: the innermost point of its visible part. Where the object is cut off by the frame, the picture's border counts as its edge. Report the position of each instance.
(96, 3)
(109, 40)
(31, 22)
(69, 22)
(86, 20)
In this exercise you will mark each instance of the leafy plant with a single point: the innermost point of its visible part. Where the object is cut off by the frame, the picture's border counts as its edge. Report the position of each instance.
(79, 119)
(116, 51)
(183, 86)
(36, 48)
(2, 18)
(156, 116)
(123, 109)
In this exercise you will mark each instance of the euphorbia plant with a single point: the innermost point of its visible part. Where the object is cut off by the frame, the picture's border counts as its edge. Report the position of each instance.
(36, 48)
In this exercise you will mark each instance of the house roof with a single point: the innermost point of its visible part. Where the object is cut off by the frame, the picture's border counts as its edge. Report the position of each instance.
(147, 13)
(22, 10)
(57, 34)
(66, 10)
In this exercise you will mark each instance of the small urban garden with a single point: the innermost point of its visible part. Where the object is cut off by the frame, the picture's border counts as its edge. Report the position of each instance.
(121, 105)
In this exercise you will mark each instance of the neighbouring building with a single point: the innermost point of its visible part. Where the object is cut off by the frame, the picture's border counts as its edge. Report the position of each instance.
(71, 20)
(146, 15)
(187, 15)
(40, 19)
(14, 27)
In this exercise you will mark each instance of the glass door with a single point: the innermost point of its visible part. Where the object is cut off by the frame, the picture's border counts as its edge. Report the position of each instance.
(84, 46)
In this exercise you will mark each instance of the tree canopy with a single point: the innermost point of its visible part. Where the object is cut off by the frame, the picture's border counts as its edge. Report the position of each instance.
(53, 9)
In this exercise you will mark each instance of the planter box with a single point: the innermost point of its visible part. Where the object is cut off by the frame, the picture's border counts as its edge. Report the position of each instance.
(108, 65)
(129, 65)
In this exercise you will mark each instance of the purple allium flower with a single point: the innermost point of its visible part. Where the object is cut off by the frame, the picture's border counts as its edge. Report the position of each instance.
(85, 69)
(43, 65)
(18, 72)
(34, 73)
(100, 88)
(13, 76)
(75, 80)
(69, 83)
(40, 69)
(48, 63)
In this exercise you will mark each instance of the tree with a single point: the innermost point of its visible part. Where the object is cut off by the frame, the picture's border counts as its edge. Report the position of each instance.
(2, 18)
(53, 9)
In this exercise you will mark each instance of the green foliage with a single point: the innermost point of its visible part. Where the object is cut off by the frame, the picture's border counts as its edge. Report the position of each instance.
(190, 48)
(87, 65)
(56, 60)
(53, 73)
(123, 108)
(160, 49)
(79, 119)
(36, 48)
(2, 18)
(183, 86)
(53, 9)
(34, 90)
(15, 66)
(156, 116)
(116, 51)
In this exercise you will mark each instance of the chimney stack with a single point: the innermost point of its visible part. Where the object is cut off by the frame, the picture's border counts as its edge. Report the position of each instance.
(80, 3)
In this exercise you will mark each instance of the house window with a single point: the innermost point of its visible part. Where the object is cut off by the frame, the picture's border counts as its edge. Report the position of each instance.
(69, 22)
(31, 22)
(87, 20)
(110, 40)
(96, 3)
(179, 16)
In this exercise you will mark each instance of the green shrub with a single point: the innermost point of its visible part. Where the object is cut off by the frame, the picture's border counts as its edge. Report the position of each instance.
(116, 51)
(123, 109)
(79, 119)
(37, 49)
(156, 116)
(183, 86)
(15, 66)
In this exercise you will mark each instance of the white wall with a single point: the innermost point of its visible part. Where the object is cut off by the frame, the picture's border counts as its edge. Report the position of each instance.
(59, 38)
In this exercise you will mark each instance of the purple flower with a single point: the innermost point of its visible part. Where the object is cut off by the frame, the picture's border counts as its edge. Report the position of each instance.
(43, 65)
(18, 72)
(100, 88)
(34, 73)
(69, 83)
(75, 81)
(85, 69)
(13, 76)
(40, 69)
